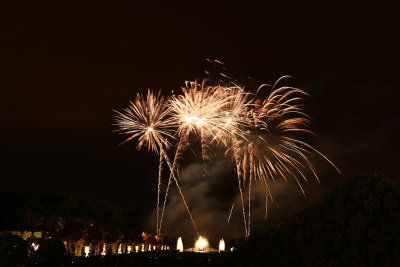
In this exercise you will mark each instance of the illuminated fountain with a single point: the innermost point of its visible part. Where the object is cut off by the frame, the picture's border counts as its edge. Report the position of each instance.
(201, 245)
(179, 245)
(221, 246)
(103, 253)
(86, 251)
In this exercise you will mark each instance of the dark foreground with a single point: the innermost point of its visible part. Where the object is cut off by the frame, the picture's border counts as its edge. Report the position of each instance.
(357, 224)
(157, 259)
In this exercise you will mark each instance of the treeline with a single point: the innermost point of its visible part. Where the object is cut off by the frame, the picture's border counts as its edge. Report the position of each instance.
(68, 217)
(357, 225)
(21, 211)
(69, 226)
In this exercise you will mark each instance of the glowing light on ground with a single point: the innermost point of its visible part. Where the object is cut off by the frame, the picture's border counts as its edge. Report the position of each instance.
(201, 244)
(35, 246)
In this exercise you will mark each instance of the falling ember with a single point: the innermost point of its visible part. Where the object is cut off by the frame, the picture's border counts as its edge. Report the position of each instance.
(179, 245)
(201, 244)
(221, 246)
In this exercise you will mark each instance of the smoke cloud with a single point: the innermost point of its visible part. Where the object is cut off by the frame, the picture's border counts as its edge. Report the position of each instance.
(210, 198)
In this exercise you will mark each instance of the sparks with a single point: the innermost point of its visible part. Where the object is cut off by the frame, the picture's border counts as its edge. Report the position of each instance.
(262, 135)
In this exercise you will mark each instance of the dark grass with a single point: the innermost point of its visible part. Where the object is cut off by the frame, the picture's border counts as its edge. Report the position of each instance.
(167, 258)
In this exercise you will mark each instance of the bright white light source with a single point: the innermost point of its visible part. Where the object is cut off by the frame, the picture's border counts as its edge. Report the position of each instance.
(179, 245)
(87, 249)
(35, 246)
(201, 244)
(221, 246)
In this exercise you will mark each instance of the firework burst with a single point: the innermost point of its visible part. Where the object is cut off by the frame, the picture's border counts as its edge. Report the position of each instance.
(148, 121)
(261, 135)
(271, 150)
(215, 113)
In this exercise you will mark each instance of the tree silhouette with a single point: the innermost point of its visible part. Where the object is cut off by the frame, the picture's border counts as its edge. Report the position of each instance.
(356, 225)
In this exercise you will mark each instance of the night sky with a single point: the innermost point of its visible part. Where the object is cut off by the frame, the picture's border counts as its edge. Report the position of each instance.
(64, 67)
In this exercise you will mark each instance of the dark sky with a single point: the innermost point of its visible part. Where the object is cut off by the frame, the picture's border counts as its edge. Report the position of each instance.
(64, 66)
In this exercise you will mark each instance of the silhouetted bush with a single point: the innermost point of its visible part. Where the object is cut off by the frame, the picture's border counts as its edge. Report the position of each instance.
(13, 249)
(51, 251)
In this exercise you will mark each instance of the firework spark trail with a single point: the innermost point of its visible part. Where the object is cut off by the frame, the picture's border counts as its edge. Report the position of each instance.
(204, 151)
(249, 216)
(236, 156)
(230, 213)
(242, 202)
(234, 120)
(267, 193)
(199, 110)
(165, 198)
(158, 192)
(266, 203)
(147, 120)
(180, 192)
(241, 193)
(178, 153)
